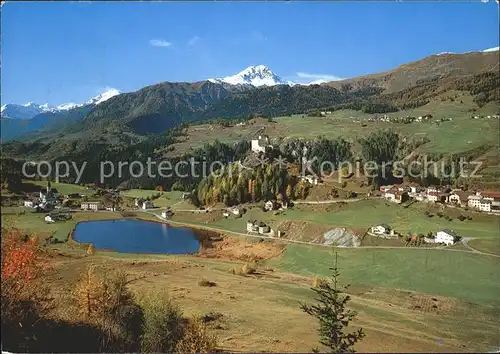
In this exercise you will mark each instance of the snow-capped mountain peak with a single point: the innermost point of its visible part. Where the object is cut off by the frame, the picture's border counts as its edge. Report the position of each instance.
(494, 49)
(31, 109)
(23, 112)
(256, 75)
(106, 95)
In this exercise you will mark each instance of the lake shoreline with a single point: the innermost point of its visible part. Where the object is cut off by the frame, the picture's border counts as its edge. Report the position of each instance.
(203, 236)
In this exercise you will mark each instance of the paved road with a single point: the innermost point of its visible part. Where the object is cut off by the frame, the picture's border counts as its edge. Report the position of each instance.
(465, 242)
(332, 201)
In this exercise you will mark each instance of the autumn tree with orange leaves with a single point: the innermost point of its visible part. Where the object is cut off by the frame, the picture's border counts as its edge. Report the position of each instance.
(24, 296)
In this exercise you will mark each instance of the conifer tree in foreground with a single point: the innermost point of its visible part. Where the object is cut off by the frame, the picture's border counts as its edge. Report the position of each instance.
(333, 315)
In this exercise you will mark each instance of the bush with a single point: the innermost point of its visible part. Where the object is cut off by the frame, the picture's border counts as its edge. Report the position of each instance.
(162, 327)
(104, 300)
(24, 294)
(317, 281)
(204, 282)
(90, 250)
(196, 338)
(249, 268)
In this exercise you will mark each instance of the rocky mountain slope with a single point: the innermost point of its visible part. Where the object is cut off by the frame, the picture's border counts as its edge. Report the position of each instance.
(439, 65)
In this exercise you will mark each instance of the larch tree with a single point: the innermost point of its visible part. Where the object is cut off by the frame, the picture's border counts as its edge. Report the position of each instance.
(333, 315)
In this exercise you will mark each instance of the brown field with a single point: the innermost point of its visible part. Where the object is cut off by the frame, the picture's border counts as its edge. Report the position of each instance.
(260, 312)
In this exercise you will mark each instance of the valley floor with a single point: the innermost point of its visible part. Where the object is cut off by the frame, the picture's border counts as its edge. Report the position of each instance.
(261, 312)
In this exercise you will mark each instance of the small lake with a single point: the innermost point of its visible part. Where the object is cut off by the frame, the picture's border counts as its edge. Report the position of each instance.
(137, 236)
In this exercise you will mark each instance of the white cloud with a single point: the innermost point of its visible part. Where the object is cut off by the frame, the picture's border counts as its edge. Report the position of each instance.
(193, 41)
(160, 43)
(318, 77)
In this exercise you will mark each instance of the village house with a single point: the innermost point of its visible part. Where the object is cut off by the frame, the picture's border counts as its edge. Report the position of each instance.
(270, 205)
(485, 205)
(446, 236)
(264, 229)
(380, 229)
(395, 196)
(432, 196)
(49, 195)
(494, 198)
(166, 214)
(283, 205)
(252, 226)
(432, 189)
(413, 189)
(147, 204)
(314, 180)
(48, 219)
(459, 197)
(235, 211)
(437, 197)
(384, 189)
(91, 206)
(260, 144)
(29, 203)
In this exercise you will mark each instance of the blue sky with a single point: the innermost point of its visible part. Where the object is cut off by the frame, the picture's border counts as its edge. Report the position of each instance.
(68, 52)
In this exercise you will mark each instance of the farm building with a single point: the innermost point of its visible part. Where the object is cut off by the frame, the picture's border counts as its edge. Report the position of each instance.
(381, 229)
(91, 206)
(252, 226)
(147, 204)
(446, 236)
(166, 214)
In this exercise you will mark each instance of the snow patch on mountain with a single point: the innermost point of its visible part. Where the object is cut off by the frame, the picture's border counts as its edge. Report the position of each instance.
(23, 112)
(257, 75)
(30, 110)
(106, 95)
(494, 49)
(489, 50)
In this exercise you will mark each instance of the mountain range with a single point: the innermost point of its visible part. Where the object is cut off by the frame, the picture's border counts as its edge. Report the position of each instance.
(30, 110)
(256, 91)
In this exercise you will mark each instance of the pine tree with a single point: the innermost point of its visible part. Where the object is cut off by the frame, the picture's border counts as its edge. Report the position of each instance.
(333, 315)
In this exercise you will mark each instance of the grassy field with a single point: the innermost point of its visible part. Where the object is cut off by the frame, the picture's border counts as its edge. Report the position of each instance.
(254, 308)
(459, 135)
(464, 276)
(166, 198)
(63, 188)
(34, 222)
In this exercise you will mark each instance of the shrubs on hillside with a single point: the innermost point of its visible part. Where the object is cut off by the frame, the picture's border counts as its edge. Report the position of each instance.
(106, 316)
(162, 325)
(247, 268)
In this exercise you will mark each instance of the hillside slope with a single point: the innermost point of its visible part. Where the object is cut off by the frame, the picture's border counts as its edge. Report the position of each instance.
(406, 75)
